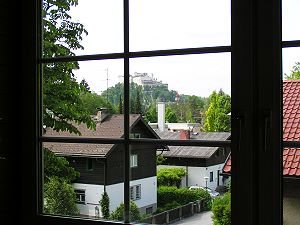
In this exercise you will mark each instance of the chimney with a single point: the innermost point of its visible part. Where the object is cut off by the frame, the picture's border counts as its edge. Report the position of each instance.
(101, 115)
(161, 116)
(184, 134)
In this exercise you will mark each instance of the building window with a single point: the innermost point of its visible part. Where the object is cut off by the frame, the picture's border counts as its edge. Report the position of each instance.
(90, 164)
(135, 192)
(211, 176)
(133, 161)
(80, 196)
(135, 135)
(149, 210)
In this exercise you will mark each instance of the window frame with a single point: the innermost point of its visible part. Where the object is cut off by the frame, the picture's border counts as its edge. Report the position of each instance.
(250, 31)
(80, 201)
(133, 160)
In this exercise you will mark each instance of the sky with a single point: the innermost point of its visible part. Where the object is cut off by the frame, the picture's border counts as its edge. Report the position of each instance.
(168, 24)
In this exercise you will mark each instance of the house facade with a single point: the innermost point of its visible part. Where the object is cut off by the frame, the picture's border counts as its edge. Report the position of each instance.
(203, 164)
(291, 156)
(101, 166)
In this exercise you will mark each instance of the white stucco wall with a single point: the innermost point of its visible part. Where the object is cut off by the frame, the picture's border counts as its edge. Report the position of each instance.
(92, 196)
(116, 195)
(196, 175)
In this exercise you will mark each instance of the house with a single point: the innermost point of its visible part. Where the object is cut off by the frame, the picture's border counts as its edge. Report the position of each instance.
(291, 156)
(101, 166)
(203, 164)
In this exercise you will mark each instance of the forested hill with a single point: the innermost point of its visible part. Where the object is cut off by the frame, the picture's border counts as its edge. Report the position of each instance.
(143, 100)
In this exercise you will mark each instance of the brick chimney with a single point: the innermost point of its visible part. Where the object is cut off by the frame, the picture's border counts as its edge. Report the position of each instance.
(184, 134)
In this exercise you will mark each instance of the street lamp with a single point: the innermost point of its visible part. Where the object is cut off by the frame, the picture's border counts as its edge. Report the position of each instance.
(206, 179)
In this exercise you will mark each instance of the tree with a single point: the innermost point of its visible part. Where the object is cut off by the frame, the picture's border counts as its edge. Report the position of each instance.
(104, 203)
(170, 176)
(217, 118)
(61, 92)
(59, 197)
(85, 86)
(138, 102)
(59, 167)
(151, 114)
(134, 213)
(120, 108)
(92, 102)
(221, 209)
(295, 73)
(171, 116)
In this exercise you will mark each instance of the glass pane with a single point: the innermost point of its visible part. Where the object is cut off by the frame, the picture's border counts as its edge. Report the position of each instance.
(171, 24)
(77, 99)
(89, 27)
(291, 132)
(76, 176)
(166, 187)
(174, 93)
(290, 18)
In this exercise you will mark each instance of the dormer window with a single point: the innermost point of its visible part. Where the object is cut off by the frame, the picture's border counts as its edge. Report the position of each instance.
(135, 135)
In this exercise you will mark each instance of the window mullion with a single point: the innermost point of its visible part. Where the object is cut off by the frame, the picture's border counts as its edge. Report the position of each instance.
(126, 113)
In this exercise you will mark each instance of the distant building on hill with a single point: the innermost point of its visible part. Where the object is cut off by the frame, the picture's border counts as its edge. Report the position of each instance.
(146, 79)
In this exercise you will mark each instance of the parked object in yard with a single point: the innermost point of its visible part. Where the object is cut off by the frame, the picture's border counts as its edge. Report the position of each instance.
(212, 193)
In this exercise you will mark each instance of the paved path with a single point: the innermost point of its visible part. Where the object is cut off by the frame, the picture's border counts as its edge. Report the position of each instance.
(203, 218)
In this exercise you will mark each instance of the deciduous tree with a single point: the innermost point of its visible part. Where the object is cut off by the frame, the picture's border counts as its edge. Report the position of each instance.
(217, 118)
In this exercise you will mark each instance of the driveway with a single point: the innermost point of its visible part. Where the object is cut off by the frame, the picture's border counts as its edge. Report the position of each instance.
(203, 218)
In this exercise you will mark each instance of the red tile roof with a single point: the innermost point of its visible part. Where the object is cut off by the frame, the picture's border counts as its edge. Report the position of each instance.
(291, 129)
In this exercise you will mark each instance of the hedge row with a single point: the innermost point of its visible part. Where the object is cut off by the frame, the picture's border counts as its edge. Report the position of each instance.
(182, 196)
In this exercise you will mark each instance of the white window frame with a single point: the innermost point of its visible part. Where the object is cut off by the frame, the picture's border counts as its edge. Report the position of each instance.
(80, 194)
(133, 160)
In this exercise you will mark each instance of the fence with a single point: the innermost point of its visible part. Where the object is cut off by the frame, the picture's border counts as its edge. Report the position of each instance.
(175, 214)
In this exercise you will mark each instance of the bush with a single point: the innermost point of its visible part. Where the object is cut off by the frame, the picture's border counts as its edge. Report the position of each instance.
(60, 197)
(104, 203)
(167, 195)
(170, 176)
(118, 214)
(221, 209)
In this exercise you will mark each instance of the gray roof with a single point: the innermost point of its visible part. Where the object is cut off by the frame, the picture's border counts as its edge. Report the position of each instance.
(192, 151)
(111, 127)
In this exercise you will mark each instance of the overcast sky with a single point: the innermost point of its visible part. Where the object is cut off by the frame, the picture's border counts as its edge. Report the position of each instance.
(167, 24)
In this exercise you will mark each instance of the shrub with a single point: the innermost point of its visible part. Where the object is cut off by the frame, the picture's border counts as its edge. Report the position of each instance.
(104, 203)
(221, 209)
(118, 214)
(170, 176)
(167, 195)
(60, 197)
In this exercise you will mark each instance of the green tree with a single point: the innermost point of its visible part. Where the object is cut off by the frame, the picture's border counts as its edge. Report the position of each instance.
(92, 102)
(138, 101)
(151, 114)
(118, 213)
(85, 86)
(120, 108)
(59, 197)
(56, 166)
(61, 92)
(221, 209)
(171, 116)
(170, 176)
(104, 203)
(217, 118)
(160, 159)
(295, 73)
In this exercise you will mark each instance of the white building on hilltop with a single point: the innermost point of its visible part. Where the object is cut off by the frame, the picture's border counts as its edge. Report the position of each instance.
(146, 79)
